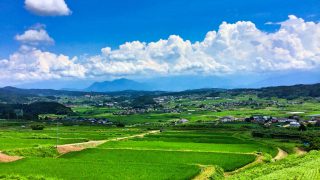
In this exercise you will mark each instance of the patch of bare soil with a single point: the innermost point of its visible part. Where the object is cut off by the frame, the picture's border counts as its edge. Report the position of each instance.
(299, 151)
(63, 149)
(7, 158)
(281, 155)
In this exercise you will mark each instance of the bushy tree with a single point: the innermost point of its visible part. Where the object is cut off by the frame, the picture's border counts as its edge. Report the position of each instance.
(302, 127)
(37, 126)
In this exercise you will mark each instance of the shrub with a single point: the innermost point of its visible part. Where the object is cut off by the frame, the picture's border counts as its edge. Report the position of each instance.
(218, 174)
(42, 151)
(37, 127)
(120, 124)
(267, 157)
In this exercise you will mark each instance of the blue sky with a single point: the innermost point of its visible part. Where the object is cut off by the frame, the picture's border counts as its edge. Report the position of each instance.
(96, 24)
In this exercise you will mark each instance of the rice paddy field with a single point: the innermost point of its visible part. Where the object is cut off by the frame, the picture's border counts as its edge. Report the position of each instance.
(167, 155)
(192, 141)
(17, 137)
(304, 167)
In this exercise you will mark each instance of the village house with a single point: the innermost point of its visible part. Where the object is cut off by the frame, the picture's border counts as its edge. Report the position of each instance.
(286, 120)
(180, 121)
(294, 124)
(227, 119)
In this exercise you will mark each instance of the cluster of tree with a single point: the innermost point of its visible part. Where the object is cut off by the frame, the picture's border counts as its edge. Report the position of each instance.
(37, 126)
(287, 92)
(32, 111)
(291, 92)
(143, 101)
(311, 138)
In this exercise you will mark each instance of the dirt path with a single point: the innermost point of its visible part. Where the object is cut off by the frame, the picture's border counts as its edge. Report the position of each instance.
(66, 148)
(299, 151)
(7, 158)
(206, 173)
(281, 155)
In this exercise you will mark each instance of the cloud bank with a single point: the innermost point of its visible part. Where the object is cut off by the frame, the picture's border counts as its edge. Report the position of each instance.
(47, 7)
(235, 48)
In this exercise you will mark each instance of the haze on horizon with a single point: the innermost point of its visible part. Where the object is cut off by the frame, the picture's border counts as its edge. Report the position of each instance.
(73, 43)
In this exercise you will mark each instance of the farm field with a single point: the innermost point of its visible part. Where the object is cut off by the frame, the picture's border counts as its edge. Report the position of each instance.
(122, 164)
(293, 167)
(17, 137)
(195, 113)
(191, 141)
(181, 154)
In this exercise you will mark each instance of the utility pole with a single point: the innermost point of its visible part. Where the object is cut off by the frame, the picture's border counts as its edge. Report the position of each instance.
(57, 131)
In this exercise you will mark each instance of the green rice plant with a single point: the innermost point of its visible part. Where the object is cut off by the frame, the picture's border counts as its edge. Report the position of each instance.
(186, 146)
(42, 151)
(294, 167)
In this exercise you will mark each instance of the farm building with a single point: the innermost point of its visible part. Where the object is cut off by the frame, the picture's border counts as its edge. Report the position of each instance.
(182, 121)
(315, 117)
(294, 124)
(286, 120)
(227, 119)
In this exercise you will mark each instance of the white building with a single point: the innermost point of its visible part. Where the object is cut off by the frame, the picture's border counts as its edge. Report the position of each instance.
(294, 124)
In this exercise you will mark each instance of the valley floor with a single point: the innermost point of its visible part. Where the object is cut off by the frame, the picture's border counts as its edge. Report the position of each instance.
(140, 154)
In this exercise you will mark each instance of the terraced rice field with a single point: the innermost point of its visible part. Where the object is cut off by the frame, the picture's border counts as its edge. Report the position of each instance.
(192, 141)
(12, 138)
(303, 167)
(166, 155)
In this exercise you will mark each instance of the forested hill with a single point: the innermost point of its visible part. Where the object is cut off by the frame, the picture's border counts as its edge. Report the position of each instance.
(287, 92)
(291, 92)
(31, 111)
(16, 95)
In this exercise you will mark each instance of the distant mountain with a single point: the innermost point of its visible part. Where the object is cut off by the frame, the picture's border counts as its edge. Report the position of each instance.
(182, 83)
(118, 85)
(289, 79)
(177, 83)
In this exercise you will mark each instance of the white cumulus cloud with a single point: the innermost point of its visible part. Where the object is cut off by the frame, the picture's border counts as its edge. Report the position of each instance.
(234, 48)
(48, 7)
(35, 37)
(33, 64)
